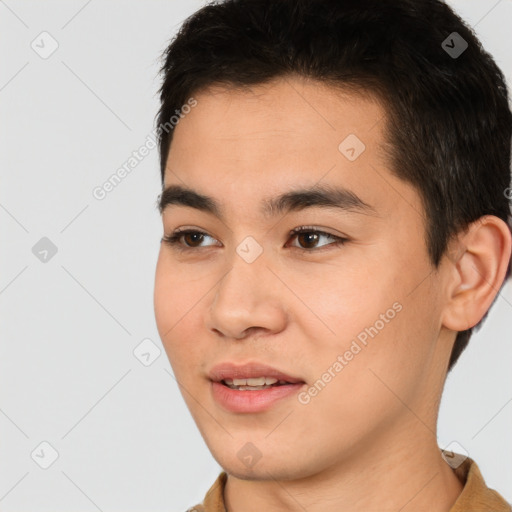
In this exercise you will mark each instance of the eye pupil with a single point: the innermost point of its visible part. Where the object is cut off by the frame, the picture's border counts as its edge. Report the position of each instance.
(311, 236)
(198, 237)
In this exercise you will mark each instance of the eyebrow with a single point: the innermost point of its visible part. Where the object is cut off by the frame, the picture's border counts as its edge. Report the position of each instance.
(325, 196)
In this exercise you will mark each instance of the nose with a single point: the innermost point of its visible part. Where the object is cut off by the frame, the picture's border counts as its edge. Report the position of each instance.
(248, 299)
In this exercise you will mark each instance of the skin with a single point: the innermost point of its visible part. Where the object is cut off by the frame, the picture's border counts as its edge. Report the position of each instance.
(374, 425)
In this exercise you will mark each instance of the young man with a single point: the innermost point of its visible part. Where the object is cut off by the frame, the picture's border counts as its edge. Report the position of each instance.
(335, 220)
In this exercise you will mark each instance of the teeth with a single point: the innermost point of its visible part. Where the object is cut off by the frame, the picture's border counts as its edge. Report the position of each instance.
(258, 381)
(253, 383)
(250, 388)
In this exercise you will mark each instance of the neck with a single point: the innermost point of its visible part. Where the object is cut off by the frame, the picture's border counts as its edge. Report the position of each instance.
(406, 473)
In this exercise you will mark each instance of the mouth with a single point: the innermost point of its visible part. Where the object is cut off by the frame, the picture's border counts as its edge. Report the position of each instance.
(254, 384)
(252, 387)
(250, 375)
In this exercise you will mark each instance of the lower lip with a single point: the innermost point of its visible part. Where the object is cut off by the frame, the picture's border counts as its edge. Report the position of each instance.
(252, 400)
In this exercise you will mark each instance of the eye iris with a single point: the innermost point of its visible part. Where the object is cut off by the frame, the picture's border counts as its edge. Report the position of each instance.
(309, 236)
(198, 237)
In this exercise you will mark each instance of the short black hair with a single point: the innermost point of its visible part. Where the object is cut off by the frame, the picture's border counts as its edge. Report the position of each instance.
(448, 118)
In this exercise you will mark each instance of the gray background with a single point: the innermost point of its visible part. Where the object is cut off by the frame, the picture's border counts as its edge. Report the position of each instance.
(68, 373)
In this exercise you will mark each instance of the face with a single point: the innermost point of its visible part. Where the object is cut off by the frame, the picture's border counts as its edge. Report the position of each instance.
(356, 319)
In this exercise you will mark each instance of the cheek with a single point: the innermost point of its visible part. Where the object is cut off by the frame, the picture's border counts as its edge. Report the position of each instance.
(174, 301)
(375, 377)
(371, 319)
(393, 363)
(338, 301)
(162, 297)
(176, 292)
(181, 293)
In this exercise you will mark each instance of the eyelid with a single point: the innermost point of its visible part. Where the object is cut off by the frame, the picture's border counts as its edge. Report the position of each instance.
(179, 232)
(173, 239)
(338, 239)
(315, 229)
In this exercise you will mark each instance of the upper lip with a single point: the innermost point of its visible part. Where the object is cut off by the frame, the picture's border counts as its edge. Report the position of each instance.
(231, 370)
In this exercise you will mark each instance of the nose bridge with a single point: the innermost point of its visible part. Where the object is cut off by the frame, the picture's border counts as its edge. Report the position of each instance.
(243, 298)
(248, 265)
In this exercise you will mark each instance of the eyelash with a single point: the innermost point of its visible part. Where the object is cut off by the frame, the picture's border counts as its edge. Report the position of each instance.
(173, 240)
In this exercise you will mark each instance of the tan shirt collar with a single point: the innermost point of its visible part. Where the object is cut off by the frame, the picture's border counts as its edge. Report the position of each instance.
(475, 496)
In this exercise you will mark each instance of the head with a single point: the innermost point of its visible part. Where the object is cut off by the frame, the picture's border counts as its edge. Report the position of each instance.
(318, 96)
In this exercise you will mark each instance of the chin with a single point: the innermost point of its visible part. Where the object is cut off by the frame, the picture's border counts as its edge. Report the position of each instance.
(263, 470)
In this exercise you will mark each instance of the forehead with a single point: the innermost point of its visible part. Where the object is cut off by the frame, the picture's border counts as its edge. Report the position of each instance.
(285, 109)
(237, 144)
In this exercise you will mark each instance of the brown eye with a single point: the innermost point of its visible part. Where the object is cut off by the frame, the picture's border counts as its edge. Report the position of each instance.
(308, 238)
(192, 238)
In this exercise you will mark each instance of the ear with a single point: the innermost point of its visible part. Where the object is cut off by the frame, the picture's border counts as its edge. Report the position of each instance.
(477, 264)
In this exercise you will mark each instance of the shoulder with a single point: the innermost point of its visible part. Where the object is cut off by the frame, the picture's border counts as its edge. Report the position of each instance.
(214, 498)
(476, 495)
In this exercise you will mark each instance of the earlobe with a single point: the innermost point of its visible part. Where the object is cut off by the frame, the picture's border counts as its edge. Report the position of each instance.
(477, 267)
